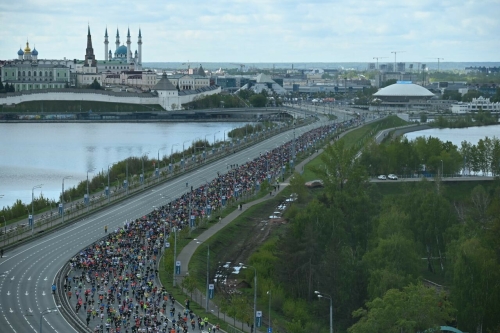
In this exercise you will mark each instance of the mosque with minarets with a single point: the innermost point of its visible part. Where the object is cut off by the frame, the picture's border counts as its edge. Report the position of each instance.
(123, 67)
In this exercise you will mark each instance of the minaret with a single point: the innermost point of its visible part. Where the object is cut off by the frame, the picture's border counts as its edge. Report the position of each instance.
(128, 46)
(117, 43)
(106, 42)
(139, 43)
(89, 52)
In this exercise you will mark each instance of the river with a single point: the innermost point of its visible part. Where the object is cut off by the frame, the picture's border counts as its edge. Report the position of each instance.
(44, 153)
(457, 135)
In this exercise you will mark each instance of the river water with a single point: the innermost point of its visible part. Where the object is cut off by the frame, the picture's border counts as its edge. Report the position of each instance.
(44, 153)
(457, 135)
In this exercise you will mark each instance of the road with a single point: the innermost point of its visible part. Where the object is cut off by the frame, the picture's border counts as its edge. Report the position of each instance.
(444, 179)
(28, 271)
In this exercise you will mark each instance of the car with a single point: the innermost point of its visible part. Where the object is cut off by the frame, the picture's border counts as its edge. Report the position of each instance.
(382, 177)
(392, 177)
(314, 183)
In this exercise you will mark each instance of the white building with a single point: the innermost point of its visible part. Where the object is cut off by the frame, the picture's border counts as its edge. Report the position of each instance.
(477, 104)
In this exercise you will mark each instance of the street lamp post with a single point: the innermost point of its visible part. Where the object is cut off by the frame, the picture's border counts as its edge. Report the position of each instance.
(159, 166)
(109, 189)
(254, 294)
(62, 197)
(143, 175)
(175, 254)
(183, 153)
(322, 295)
(43, 313)
(172, 152)
(88, 196)
(33, 207)
(208, 268)
(205, 142)
(4, 225)
(269, 325)
(214, 136)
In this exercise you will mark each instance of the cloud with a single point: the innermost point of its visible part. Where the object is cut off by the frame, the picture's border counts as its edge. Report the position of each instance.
(259, 30)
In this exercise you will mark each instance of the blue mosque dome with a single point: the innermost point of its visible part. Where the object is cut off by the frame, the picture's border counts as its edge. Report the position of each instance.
(20, 52)
(121, 51)
(34, 52)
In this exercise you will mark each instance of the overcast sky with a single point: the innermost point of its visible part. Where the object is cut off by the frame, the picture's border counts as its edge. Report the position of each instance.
(255, 31)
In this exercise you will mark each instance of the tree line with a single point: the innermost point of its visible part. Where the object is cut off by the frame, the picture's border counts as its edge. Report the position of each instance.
(431, 156)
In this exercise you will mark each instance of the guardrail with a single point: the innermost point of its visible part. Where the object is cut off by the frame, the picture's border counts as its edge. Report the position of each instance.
(21, 233)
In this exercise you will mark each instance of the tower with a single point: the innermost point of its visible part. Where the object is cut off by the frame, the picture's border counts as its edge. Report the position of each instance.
(89, 52)
(106, 42)
(139, 43)
(128, 46)
(117, 43)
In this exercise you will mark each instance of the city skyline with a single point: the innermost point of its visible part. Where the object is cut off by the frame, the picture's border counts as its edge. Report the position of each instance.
(259, 31)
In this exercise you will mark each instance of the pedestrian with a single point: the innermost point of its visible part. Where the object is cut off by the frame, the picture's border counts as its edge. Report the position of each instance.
(220, 218)
(1, 253)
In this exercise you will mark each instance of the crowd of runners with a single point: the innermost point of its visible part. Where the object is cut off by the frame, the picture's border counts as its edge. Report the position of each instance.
(113, 285)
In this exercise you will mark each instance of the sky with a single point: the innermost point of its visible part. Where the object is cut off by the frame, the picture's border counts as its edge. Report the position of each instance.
(253, 31)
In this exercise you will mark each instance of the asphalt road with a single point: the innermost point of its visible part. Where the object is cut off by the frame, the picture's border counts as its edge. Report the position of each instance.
(27, 272)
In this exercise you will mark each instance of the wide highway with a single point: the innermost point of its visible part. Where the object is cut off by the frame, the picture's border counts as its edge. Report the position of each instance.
(28, 271)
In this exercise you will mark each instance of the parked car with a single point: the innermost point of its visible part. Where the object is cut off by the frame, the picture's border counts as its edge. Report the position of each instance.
(382, 177)
(392, 177)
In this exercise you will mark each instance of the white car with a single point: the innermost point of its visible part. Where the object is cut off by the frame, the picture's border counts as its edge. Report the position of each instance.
(392, 177)
(382, 177)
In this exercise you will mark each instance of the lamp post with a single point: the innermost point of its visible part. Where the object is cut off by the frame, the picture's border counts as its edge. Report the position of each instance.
(174, 230)
(143, 175)
(208, 268)
(109, 189)
(43, 313)
(159, 166)
(4, 225)
(62, 197)
(183, 153)
(205, 142)
(172, 152)
(88, 196)
(214, 136)
(269, 325)
(254, 294)
(33, 207)
(322, 295)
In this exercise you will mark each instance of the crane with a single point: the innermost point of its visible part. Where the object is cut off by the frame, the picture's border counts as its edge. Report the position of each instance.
(438, 59)
(241, 66)
(378, 59)
(396, 52)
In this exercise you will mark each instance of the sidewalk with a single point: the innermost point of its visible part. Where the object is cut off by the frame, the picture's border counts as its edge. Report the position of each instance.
(187, 252)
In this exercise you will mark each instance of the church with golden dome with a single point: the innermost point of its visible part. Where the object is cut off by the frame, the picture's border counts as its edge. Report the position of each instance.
(28, 72)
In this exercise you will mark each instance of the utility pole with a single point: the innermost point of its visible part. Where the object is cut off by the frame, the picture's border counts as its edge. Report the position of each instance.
(396, 52)
(438, 59)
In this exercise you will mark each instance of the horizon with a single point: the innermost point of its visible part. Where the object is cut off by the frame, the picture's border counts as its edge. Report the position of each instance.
(282, 31)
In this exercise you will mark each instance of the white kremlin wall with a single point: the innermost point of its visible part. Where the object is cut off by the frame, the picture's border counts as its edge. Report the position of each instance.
(103, 96)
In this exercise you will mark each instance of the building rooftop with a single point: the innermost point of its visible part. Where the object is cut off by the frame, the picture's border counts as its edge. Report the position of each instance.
(404, 88)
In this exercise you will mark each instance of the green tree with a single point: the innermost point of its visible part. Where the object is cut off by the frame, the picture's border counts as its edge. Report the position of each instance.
(297, 184)
(476, 285)
(388, 83)
(95, 85)
(414, 309)
(258, 100)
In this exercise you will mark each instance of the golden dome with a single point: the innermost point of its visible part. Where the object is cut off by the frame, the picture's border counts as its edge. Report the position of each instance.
(27, 48)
